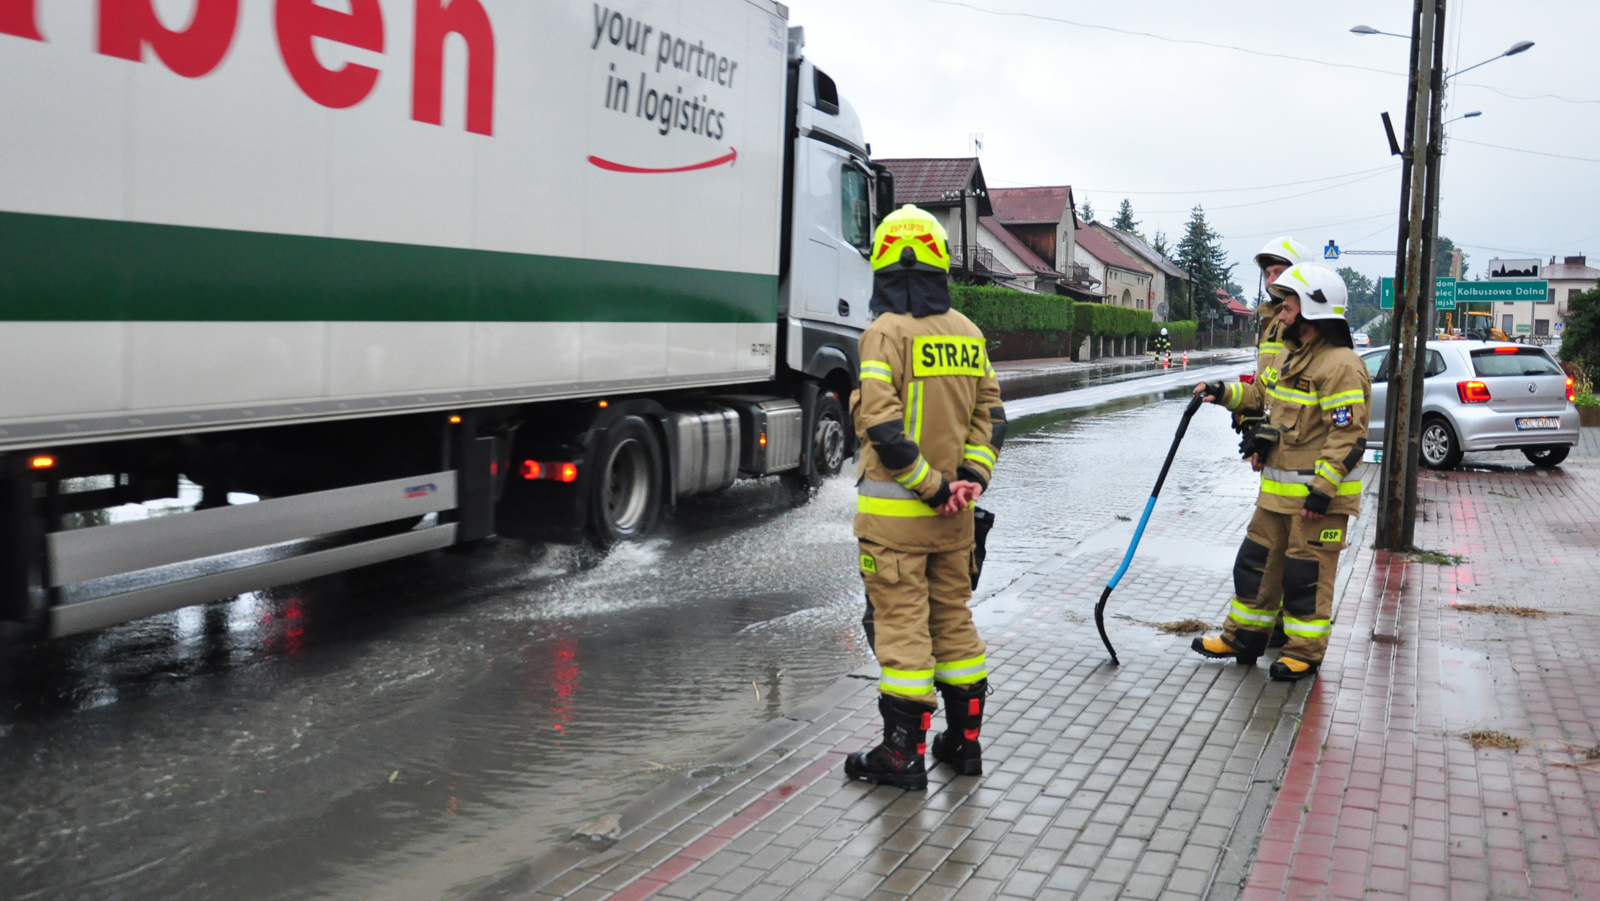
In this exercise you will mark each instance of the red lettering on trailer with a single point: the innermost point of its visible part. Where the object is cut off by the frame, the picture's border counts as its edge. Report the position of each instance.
(436, 20)
(126, 26)
(20, 18)
(298, 21)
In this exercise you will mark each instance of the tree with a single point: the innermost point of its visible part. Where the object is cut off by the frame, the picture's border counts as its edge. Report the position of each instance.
(1159, 244)
(1201, 253)
(1086, 212)
(1363, 305)
(1125, 221)
(1445, 252)
(1580, 338)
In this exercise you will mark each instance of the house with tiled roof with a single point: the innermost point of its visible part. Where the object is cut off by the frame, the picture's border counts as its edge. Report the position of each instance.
(1124, 282)
(1042, 219)
(1029, 272)
(1165, 275)
(952, 189)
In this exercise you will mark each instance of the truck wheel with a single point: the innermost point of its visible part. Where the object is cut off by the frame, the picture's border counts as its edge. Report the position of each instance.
(1544, 457)
(625, 484)
(829, 444)
(624, 488)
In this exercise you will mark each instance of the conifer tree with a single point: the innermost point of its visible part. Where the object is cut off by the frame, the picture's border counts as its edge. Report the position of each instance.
(1086, 212)
(1125, 221)
(1201, 253)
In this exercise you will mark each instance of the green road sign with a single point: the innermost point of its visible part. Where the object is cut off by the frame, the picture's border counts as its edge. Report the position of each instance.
(1503, 290)
(1445, 293)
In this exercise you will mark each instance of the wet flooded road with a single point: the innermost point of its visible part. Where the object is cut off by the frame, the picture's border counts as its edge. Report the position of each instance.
(422, 726)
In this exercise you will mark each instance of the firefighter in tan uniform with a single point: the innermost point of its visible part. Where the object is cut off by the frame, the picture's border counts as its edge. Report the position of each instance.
(1309, 450)
(930, 423)
(1273, 258)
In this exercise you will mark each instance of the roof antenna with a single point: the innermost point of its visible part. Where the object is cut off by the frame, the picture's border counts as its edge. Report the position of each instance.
(975, 142)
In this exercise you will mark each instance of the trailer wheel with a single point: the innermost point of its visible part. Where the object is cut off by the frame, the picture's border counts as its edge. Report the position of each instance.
(625, 485)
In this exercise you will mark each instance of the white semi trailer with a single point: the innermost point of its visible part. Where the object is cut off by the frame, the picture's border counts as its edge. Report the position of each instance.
(411, 272)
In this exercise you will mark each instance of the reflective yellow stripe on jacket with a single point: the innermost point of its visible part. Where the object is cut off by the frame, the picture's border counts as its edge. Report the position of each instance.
(914, 682)
(913, 419)
(1288, 483)
(979, 454)
(889, 499)
(876, 369)
(1343, 399)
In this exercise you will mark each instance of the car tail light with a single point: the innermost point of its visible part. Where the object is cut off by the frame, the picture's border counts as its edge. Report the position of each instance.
(1249, 378)
(1572, 393)
(569, 472)
(1506, 350)
(1473, 392)
(531, 469)
(45, 462)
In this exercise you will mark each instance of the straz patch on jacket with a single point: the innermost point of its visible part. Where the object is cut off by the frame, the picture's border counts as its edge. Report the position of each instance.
(1341, 416)
(935, 355)
(868, 565)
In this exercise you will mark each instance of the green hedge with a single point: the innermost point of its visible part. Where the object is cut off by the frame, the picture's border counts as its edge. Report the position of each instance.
(1180, 332)
(1004, 310)
(1110, 321)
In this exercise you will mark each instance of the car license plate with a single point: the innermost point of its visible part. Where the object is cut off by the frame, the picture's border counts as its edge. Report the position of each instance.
(1539, 422)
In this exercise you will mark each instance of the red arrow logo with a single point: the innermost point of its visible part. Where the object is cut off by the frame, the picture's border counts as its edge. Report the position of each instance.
(610, 166)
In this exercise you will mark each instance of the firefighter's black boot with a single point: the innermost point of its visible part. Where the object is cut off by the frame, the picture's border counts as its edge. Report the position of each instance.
(898, 761)
(1279, 637)
(958, 745)
(1245, 646)
(1291, 669)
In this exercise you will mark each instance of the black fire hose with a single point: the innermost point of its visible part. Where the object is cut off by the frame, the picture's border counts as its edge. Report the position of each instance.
(1100, 608)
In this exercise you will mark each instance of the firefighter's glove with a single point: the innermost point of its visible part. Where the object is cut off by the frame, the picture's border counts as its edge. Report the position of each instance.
(1244, 420)
(1317, 503)
(1259, 440)
(1215, 390)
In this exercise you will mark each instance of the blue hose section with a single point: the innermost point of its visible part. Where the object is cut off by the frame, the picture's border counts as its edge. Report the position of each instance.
(1134, 546)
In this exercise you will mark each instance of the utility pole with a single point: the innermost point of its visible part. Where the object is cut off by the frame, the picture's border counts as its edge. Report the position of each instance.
(1401, 447)
(1427, 313)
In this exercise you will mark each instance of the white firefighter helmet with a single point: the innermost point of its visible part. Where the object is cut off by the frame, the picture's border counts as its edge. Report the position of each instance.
(1321, 291)
(1163, 333)
(1286, 251)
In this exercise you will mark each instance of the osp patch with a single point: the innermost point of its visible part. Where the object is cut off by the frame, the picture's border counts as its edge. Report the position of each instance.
(1331, 534)
(868, 565)
(1341, 416)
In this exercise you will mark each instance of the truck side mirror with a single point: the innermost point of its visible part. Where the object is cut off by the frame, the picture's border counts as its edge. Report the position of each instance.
(884, 186)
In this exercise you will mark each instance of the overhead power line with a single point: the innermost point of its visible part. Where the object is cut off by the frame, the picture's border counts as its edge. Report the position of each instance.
(1559, 156)
(1159, 37)
(1286, 184)
(1237, 206)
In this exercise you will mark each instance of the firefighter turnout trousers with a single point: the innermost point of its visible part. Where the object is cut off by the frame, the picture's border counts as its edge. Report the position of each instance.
(1286, 555)
(923, 630)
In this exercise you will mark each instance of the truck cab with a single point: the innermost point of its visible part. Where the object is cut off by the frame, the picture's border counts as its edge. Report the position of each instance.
(832, 190)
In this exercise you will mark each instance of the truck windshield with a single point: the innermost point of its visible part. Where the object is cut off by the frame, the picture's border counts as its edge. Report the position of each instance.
(1525, 361)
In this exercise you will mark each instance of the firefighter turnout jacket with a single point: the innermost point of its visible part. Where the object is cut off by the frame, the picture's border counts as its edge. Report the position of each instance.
(1319, 403)
(928, 413)
(1270, 348)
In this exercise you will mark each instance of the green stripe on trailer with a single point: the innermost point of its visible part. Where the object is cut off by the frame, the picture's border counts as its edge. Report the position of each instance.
(66, 269)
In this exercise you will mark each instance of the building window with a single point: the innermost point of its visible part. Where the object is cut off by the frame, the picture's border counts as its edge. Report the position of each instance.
(1541, 327)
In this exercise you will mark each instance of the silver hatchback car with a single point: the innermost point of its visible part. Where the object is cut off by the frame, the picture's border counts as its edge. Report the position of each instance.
(1484, 396)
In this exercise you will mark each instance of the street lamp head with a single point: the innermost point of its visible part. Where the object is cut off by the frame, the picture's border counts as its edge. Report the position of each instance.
(1472, 115)
(1364, 29)
(1518, 47)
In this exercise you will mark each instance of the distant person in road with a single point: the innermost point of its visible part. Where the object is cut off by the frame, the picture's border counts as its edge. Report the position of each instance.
(1309, 453)
(930, 423)
(1164, 347)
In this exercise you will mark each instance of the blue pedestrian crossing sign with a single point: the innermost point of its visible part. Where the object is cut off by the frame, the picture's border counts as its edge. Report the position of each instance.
(1331, 252)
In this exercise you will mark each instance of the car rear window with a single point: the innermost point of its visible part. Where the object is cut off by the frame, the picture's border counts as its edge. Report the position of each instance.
(1525, 361)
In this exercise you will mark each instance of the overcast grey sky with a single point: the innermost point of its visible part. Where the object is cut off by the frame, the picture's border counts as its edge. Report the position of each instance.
(1113, 114)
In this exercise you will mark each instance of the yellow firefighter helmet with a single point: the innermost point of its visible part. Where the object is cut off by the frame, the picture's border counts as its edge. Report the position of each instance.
(911, 237)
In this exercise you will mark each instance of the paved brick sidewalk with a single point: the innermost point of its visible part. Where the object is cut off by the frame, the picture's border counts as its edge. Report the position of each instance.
(1102, 781)
(1384, 796)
